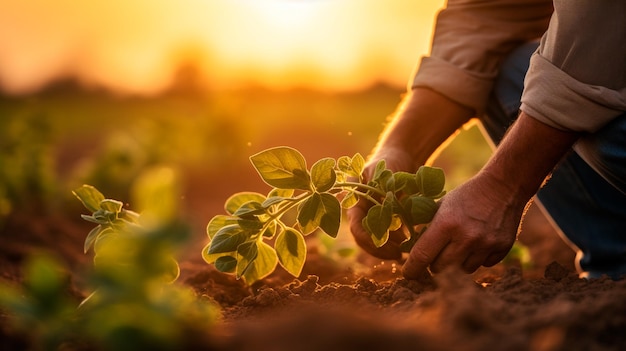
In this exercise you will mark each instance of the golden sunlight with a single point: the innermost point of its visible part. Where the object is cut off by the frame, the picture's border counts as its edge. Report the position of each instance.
(286, 14)
(138, 46)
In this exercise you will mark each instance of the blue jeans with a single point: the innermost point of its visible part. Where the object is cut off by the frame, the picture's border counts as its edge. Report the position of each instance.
(586, 208)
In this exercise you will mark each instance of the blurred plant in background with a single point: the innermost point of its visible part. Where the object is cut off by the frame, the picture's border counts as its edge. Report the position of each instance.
(136, 304)
(41, 310)
(27, 175)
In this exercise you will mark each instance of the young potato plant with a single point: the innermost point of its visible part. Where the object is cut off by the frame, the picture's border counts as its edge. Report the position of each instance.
(239, 240)
(136, 305)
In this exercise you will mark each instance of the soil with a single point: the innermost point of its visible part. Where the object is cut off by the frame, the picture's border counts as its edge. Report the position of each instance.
(363, 303)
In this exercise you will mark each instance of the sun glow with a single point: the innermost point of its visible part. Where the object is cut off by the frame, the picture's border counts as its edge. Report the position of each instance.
(288, 14)
(138, 46)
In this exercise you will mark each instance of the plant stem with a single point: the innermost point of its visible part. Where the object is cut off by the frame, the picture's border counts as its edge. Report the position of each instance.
(360, 193)
(368, 197)
(361, 186)
(287, 204)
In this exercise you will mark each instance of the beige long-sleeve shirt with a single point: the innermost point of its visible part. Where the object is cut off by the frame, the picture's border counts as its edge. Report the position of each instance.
(577, 78)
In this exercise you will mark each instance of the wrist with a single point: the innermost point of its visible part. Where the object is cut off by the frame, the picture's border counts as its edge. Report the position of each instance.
(420, 126)
(527, 155)
(512, 193)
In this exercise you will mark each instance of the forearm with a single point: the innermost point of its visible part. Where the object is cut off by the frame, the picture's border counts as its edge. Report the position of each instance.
(527, 154)
(423, 122)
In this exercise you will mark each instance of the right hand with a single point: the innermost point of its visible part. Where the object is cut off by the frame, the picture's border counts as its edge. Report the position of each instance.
(408, 141)
(396, 160)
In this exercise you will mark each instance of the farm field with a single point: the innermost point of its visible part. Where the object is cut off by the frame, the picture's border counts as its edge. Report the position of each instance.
(54, 141)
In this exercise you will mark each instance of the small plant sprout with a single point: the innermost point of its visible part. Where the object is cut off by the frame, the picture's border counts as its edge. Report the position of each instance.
(119, 237)
(239, 240)
(136, 304)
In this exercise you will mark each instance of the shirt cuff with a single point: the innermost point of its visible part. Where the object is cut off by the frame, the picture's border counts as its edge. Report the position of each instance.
(467, 88)
(556, 99)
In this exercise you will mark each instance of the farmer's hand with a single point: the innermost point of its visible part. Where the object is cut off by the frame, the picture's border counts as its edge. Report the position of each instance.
(476, 224)
(396, 160)
(422, 122)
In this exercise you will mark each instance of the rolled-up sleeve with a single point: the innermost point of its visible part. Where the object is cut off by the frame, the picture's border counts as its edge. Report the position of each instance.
(471, 38)
(577, 78)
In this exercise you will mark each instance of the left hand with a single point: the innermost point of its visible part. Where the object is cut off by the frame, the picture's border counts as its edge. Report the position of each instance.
(476, 225)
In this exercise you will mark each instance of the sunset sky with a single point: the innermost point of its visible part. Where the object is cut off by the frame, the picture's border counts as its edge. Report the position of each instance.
(136, 46)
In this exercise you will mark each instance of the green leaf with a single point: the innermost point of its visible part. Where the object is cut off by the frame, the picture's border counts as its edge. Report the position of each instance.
(129, 216)
(282, 167)
(331, 219)
(271, 201)
(264, 264)
(106, 237)
(308, 213)
(157, 192)
(89, 196)
(91, 238)
(385, 179)
(228, 239)
(103, 216)
(284, 193)
(378, 221)
(246, 254)
(270, 230)
(234, 202)
(218, 222)
(390, 183)
(251, 225)
(251, 208)
(291, 250)
(396, 222)
(430, 181)
(422, 209)
(44, 278)
(323, 174)
(226, 264)
(351, 166)
(171, 271)
(380, 167)
(320, 210)
(358, 164)
(93, 219)
(344, 164)
(113, 206)
(349, 200)
(212, 258)
(405, 182)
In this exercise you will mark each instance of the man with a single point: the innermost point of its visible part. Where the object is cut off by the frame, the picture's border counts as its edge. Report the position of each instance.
(572, 127)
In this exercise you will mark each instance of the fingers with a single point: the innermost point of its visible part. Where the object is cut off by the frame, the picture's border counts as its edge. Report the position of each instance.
(451, 255)
(436, 254)
(473, 262)
(423, 253)
(495, 258)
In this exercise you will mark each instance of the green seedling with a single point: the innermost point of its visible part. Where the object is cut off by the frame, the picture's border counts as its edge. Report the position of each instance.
(240, 240)
(41, 308)
(119, 238)
(136, 304)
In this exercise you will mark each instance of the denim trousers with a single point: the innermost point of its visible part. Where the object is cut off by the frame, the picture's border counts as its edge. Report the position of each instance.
(585, 208)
